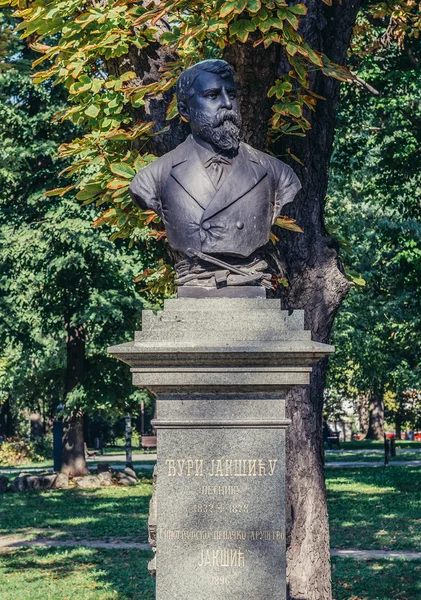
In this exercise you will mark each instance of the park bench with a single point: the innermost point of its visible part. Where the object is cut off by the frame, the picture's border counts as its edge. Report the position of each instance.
(148, 442)
(89, 453)
(334, 439)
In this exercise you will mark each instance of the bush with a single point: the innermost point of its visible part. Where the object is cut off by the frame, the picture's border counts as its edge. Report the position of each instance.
(43, 446)
(13, 454)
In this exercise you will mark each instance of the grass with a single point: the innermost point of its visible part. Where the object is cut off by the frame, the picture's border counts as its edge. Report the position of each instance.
(367, 456)
(102, 513)
(370, 444)
(368, 509)
(376, 580)
(375, 508)
(75, 574)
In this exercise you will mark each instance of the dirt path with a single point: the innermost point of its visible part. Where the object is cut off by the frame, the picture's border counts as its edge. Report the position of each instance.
(11, 542)
(376, 554)
(348, 464)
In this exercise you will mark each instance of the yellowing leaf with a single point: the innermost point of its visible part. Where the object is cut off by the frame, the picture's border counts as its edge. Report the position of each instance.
(123, 170)
(288, 223)
(298, 9)
(172, 110)
(59, 191)
(92, 111)
(235, 6)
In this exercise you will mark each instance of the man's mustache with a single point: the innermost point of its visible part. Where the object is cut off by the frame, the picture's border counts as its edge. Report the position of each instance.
(227, 115)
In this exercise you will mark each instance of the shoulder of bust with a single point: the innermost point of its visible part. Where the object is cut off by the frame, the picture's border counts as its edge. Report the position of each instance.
(267, 160)
(170, 159)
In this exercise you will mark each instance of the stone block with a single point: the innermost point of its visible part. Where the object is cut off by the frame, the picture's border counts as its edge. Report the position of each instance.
(61, 482)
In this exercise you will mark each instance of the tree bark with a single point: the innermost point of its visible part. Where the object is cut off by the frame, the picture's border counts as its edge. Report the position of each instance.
(398, 426)
(73, 460)
(362, 405)
(6, 417)
(376, 422)
(128, 434)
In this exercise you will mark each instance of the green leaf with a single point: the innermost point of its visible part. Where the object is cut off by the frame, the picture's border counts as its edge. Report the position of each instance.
(291, 49)
(92, 111)
(264, 26)
(227, 8)
(298, 9)
(172, 110)
(128, 75)
(89, 191)
(242, 28)
(254, 5)
(123, 170)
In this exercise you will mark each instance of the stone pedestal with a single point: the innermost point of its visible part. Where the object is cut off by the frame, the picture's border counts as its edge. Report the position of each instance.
(220, 369)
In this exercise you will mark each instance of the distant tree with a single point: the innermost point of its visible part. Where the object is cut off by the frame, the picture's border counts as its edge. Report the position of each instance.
(67, 292)
(374, 209)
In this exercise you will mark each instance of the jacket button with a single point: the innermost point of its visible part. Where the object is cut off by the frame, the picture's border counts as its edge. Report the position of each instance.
(240, 225)
(206, 226)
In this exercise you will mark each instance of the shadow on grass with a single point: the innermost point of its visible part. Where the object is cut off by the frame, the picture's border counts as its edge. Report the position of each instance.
(375, 580)
(111, 512)
(67, 574)
(375, 508)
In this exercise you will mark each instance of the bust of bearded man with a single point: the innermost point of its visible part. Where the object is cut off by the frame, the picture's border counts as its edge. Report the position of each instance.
(217, 196)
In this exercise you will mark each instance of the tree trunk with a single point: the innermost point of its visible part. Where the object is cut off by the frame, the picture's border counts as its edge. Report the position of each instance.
(128, 434)
(74, 462)
(362, 405)
(6, 418)
(376, 422)
(398, 426)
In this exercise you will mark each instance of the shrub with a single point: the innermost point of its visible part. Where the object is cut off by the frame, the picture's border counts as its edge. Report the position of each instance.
(13, 454)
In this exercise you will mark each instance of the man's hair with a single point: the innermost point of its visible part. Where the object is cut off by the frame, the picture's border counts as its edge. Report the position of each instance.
(187, 78)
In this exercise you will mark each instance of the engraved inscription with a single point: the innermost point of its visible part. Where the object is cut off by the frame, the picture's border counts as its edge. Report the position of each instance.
(185, 467)
(220, 490)
(220, 508)
(221, 557)
(227, 467)
(219, 580)
(219, 535)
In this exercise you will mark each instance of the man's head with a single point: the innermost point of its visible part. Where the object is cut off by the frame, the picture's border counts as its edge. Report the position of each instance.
(206, 97)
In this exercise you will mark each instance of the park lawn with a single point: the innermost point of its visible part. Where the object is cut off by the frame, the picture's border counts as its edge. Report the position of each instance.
(75, 574)
(112, 450)
(373, 444)
(377, 508)
(103, 513)
(48, 464)
(375, 579)
(91, 574)
(351, 456)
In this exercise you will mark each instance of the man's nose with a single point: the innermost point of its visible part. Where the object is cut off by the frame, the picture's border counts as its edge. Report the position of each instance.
(226, 101)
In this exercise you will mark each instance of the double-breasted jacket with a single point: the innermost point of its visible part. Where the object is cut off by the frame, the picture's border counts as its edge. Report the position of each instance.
(234, 220)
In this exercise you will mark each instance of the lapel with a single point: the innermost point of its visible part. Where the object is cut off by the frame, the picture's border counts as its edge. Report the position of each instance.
(190, 173)
(245, 174)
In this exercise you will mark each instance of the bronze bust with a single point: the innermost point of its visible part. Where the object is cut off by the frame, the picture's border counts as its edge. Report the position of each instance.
(217, 196)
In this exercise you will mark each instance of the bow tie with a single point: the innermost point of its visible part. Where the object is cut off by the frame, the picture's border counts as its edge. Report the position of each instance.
(217, 160)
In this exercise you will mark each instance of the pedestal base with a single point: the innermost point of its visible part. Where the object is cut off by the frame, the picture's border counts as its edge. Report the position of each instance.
(220, 368)
(220, 497)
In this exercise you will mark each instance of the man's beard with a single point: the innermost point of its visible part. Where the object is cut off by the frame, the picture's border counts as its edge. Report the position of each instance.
(222, 131)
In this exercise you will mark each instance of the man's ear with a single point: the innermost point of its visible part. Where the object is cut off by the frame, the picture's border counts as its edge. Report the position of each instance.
(184, 111)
